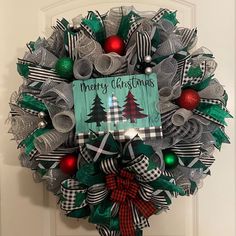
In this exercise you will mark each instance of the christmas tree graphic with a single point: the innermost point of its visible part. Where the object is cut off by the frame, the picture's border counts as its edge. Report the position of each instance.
(114, 114)
(98, 113)
(132, 110)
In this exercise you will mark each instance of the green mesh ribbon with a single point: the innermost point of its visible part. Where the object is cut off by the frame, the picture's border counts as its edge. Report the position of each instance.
(30, 102)
(101, 214)
(90, 174)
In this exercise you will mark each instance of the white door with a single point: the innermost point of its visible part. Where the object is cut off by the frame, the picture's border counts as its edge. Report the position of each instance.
(27, 209)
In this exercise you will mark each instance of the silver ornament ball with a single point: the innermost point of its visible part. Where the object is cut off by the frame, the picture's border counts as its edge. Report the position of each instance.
(42, 124)
(148, 70)
(41, 114)
(70, 26)
(148, 59)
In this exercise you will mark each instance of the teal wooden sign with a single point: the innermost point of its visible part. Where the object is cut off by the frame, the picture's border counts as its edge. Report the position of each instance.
(117, 104)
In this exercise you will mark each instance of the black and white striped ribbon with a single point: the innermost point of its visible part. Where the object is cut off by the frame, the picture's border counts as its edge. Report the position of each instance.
(71, 44)
(60, 25)
(167, 174)
(96, 194)
(105, 231)
(187, 150)
(49, 164)
(55, 155)
(42, 75)
(115, 209)
(159, 200)
(140, 221)
(145, 192)
(143, 45)
(109, 165)
(188, 36)
(207, 160)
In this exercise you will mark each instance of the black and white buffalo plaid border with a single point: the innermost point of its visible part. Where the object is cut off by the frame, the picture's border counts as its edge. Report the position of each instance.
(123, 135)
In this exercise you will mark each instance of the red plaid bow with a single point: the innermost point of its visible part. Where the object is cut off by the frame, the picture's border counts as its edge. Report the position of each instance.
(124, 190)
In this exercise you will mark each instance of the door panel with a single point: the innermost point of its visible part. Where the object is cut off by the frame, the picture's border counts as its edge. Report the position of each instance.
(28, 209)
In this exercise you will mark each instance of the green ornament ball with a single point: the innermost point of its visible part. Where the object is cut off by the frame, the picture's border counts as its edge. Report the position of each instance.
(64, 67)
(170, 159)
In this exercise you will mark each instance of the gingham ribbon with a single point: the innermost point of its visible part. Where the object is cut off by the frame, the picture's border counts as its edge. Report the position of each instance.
(73, 195)
(184, 69)
(140, 166)
(160, 14)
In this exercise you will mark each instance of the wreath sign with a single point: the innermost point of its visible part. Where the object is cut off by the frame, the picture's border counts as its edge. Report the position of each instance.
(116, 116)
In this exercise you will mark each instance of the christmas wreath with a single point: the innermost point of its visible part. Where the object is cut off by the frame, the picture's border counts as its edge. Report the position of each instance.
(117, 114)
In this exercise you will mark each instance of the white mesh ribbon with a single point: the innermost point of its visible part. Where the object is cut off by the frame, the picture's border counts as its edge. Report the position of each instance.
(181, 116)
(61, 94)
(88, 47)
(167, 106)
(83, 68)
(112, 20)
(202, 55)
(169, 93)
(107, 64)
(49, 141)
(42, 57)
(172, 45)
(165, 71)
(165, 26)
(64, 121)
(213, 91)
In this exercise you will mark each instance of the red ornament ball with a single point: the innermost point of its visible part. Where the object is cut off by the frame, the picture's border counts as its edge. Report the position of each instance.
(189, 99)
(68, 164)
(115, 44)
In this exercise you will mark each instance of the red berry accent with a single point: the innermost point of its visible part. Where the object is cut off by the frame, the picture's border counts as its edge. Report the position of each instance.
(115, 44)
(189, 99)
(68, 164)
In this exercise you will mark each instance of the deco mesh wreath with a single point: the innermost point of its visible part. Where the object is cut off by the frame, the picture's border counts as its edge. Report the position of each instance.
(116, 115)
